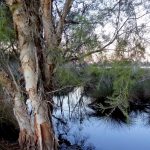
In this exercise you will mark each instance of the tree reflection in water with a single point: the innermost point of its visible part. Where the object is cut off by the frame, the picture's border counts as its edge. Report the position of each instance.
(68, 117)
(74, 110)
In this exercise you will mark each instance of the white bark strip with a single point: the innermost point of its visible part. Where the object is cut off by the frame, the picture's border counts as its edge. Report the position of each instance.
(26, 57)
(27, 35)
(26, 134)
(21, 114)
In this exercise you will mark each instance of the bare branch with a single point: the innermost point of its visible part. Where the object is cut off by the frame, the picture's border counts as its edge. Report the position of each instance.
(103, 48)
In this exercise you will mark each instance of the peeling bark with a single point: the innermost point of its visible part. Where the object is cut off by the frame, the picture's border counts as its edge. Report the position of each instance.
(29, 17)
(52, 34)
(48, 25)
(20, 112)
(26, 21)
(26, 137)
(50, 37)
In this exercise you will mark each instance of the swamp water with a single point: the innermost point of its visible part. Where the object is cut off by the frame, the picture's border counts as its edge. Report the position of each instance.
(79, 127)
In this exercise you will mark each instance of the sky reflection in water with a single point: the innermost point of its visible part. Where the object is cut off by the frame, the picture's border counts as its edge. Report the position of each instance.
(87, 132)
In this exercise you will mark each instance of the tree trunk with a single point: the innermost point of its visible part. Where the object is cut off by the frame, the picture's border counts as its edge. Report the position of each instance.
(26, 138)
(26, 22)
(34, 24)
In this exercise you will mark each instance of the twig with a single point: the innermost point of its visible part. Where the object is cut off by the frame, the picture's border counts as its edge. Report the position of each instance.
(59, 89)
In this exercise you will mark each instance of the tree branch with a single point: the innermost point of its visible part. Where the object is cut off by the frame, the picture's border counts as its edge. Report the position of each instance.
(66, 9)
(103, 48)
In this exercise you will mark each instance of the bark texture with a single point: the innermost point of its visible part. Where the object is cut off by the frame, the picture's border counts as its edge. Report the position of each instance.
(26, 134)
(34, 24)
(26, 22)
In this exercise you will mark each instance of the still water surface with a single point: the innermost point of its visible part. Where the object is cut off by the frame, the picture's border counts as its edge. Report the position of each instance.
(78, 129)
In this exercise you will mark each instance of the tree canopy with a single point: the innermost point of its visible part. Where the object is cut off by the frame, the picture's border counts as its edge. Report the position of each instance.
(37, 37)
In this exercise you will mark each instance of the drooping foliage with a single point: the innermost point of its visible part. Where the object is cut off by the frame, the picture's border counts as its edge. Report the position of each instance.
(113, 86)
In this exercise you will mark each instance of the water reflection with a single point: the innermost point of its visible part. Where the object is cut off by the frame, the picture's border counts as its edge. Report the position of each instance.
(81, 126)
(68, 117)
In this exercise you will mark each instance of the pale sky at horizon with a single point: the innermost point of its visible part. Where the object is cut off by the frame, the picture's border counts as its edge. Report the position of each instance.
(109, 30)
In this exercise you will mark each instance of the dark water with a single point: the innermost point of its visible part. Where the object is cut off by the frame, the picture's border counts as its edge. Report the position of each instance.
(77, 127)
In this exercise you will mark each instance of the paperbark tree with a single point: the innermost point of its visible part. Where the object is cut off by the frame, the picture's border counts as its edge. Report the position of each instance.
(39, 35)
(33, 23)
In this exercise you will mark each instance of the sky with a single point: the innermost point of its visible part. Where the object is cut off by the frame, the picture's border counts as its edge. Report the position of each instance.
(143, 17)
